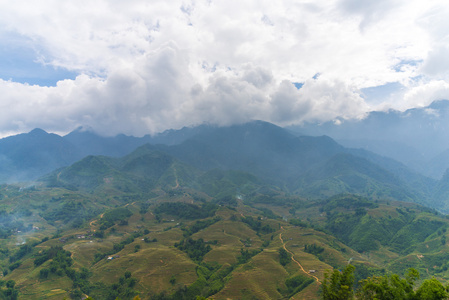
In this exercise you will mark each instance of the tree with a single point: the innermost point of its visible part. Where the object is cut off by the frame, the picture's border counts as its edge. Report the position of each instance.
(389, 287)
(432, 289)
(284, 256)
(127, 274)
(44, 273)
(339, 285)
(10, 284)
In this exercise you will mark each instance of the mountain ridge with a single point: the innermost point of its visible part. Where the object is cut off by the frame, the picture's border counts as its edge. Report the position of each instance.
(416, 137)
(265, 150)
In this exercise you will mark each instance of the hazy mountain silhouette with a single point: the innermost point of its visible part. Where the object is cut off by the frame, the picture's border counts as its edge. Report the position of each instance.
(417, 137)
(313, 166)
(25, 157)
(298, 163)
(29, 155)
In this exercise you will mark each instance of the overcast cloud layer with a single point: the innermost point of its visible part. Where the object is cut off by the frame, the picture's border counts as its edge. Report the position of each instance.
(145, 66)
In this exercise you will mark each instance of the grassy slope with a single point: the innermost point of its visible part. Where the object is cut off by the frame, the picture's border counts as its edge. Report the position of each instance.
(262, 277)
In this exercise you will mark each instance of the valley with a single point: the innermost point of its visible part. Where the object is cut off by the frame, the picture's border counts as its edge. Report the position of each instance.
(264, 215)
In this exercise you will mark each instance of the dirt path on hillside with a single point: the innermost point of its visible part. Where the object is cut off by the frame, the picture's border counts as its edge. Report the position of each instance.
(176, 178)
(297, 262)
(92, 222)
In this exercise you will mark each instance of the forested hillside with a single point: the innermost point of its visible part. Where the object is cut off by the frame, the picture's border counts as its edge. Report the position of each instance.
(242, 212)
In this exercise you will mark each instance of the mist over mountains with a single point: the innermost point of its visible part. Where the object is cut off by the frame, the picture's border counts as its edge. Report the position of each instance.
(223, 199)
(27, 156)
(311, 166)
(417, 137)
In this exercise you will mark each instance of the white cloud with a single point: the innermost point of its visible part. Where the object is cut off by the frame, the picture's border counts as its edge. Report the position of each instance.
(148, 66)
(423, 94)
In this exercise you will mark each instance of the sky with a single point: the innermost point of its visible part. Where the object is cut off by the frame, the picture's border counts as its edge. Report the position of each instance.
(140, 67)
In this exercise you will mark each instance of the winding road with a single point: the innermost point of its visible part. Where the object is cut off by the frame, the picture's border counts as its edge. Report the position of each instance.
(297, 262)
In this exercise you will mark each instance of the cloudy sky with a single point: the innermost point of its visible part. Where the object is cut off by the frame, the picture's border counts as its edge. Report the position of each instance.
(139, 67)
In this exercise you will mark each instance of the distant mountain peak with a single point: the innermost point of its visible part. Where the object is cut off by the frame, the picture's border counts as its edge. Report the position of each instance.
(82, 129)
(439, 104)
(37, 132)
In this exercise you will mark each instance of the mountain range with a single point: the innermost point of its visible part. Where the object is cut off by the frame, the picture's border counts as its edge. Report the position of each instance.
(27, 156)
(417, 137)
(248, 211)
(311, 166)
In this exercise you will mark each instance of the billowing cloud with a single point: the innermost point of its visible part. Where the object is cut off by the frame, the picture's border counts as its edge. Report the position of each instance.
(422, 95)
(144, 67)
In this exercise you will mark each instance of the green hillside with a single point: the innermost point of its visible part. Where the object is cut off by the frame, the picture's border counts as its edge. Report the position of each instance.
(177, 242)
(151, 225)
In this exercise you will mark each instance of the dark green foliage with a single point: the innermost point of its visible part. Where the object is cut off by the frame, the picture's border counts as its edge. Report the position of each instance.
(268, 213)
(48, 254)
(296, 284)
(43, 273)
(256, 225)
(211, 279)
(14, 266)
(432, 289)
(439, 261)
(69, 211)
(110, 217)
(144, 208)
(23, 250)
(10, 284)
(284, 257)
(99, 234)
(148, 240)
(195, 249)
(297, 222)
(363, 232)
(339, 285)
(123, 289)
(357, 233)
(363, 271)
(199, 225)
(116, 247)
(8, 290)
(389, 287)
(313, 249)
(76, 294)
(187, 210)
(246, 255)
(413, 233)
(61, 262)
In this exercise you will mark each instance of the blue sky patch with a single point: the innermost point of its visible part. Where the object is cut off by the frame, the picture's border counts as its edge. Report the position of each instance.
(298, 85)
(380, 93)
(19, 63)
